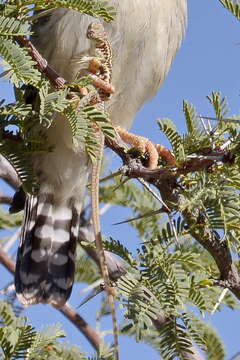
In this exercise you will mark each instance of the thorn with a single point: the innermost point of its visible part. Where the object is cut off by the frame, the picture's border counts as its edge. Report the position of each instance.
(156, 196)
(111, 176)
(216, 119)
(140, 217)
(121, 183)
(94, 293)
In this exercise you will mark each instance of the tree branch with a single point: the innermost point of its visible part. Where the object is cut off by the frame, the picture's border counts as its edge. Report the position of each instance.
(91, 335)
(8, 174)
(56, 80)
(5, 199)
(229, 275)
(165, 180)
(7, 262)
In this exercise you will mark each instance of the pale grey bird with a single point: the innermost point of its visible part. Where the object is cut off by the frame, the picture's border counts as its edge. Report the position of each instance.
(145, 38)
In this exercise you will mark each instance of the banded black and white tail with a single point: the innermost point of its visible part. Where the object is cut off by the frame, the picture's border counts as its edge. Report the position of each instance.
(45, 259)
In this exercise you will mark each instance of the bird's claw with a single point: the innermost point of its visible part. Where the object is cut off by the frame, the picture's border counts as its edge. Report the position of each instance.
(144, 145)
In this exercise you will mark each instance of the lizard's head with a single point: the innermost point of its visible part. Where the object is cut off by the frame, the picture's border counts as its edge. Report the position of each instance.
(96, 31)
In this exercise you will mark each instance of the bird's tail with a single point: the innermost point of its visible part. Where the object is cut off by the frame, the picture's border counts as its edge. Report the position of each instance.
(45, 259)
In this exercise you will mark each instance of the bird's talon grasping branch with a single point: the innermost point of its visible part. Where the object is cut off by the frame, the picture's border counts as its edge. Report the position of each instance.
(166, 155)
(144, 145)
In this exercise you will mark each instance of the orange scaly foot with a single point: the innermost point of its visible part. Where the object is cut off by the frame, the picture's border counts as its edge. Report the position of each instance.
(143, 144)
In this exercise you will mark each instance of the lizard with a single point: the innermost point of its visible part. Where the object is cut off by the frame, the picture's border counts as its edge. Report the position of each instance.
(101, 65)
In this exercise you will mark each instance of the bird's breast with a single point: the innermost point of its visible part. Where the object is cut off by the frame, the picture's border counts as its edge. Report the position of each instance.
(145, 37)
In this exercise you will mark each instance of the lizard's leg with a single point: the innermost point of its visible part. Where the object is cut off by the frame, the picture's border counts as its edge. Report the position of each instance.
(144, 145)
(82, 96)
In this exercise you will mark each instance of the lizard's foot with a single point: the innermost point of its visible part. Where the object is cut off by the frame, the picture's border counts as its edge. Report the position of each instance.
(75, 98)
(144, 145)
(95, 67)
(92, 67)
(83, 98)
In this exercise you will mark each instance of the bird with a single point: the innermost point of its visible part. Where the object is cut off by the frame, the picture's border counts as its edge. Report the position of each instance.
(145, 37)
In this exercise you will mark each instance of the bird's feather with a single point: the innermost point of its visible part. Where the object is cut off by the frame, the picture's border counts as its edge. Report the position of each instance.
(45, 261)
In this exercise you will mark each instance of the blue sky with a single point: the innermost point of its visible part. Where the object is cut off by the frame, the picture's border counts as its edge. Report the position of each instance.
(207, 61)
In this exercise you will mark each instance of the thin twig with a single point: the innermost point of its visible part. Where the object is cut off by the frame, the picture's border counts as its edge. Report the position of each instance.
(204, 126)
(174, 230)
(56, 80)
(111, 176)
(5, 199)
(166, 208)
(225, 145)
(223, 119)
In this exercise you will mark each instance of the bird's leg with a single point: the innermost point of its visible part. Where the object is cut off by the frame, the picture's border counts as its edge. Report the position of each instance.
(144, 145)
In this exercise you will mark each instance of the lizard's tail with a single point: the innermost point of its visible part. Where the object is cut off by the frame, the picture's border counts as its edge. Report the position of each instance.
(45, 259)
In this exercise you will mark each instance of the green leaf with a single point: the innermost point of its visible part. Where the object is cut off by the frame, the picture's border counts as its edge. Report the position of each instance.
(169, 129)
(13, 27)
(18, 65)
(232, 6)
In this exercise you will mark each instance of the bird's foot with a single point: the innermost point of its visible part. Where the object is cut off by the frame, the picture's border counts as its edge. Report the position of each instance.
(145, 146)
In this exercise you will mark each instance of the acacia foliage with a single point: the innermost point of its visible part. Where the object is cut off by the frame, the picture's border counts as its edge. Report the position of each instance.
(170, 284)
(20, 69)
